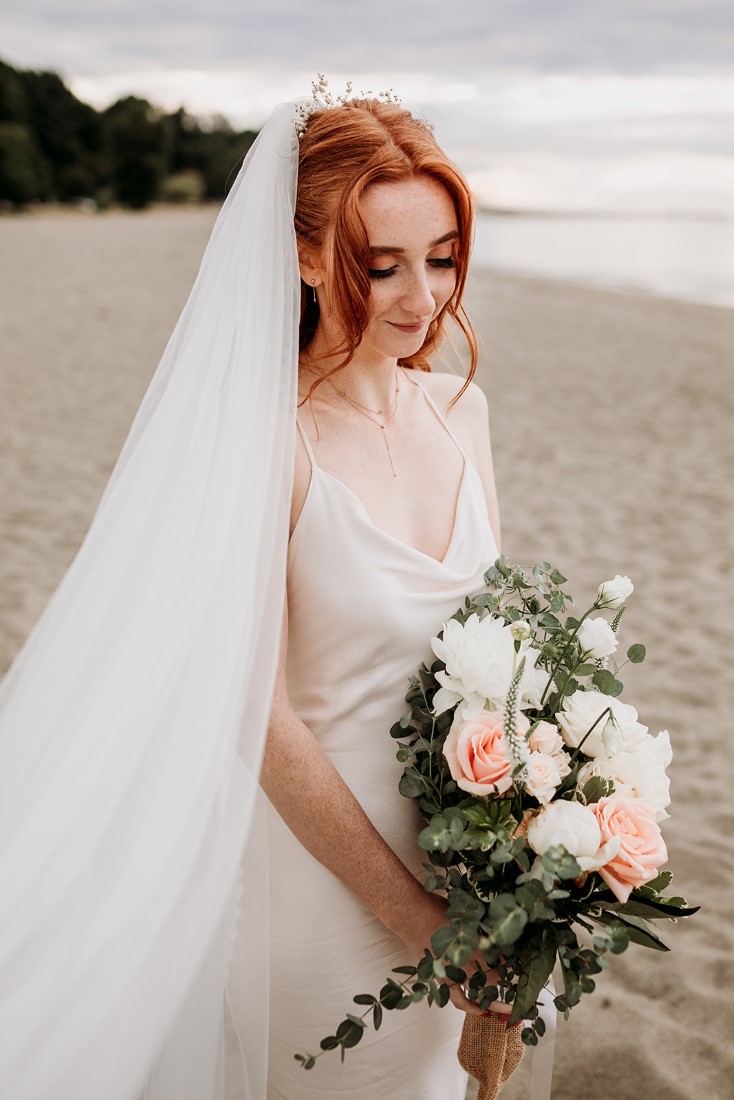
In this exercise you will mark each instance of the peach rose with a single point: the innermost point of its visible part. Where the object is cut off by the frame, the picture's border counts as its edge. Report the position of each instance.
(476, 753)
(641, 850)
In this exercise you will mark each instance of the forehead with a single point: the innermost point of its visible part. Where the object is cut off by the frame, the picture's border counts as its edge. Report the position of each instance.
(410, 212)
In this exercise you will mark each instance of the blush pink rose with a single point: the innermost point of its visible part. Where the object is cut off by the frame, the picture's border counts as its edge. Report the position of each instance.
(642, 849)
(543, 776)
(477, 755)
(546, 738)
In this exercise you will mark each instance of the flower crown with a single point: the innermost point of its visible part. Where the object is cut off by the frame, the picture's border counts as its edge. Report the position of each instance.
(322, 99)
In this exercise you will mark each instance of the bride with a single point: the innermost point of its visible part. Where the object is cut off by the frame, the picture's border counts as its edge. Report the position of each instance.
(299, 506)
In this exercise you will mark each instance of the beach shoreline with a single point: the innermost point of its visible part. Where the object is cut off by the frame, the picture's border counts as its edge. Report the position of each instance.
(611, 416)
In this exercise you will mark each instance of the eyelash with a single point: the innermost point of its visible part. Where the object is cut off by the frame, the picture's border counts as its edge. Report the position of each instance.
(384, 273)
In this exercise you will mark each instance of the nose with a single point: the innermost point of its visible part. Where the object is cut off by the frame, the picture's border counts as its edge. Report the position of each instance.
(418, 299)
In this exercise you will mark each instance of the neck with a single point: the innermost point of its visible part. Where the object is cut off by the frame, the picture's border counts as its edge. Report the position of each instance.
(367, 380)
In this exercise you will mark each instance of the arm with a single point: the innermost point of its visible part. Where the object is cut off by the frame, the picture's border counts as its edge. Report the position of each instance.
(319, 808)
(321, 811)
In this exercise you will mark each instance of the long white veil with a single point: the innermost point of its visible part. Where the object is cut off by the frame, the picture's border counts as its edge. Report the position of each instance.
(133, 721)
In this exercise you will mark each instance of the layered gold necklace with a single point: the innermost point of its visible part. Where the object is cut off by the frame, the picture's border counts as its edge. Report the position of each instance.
(373, 414)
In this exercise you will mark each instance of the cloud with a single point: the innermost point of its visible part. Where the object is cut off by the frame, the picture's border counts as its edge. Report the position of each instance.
(553, 91)
(429, 36)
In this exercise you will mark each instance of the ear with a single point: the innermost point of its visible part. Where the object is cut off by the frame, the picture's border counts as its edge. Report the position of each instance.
(311, 268)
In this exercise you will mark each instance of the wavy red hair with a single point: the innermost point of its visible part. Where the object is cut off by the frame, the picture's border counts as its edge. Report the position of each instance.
(343, 151)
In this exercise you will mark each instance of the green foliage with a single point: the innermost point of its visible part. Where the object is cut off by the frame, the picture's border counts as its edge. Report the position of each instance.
(61, 149)
(518, 913)
(24, 175)
(183, 187)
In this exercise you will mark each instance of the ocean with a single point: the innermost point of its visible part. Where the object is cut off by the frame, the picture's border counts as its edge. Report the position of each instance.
(691, 258)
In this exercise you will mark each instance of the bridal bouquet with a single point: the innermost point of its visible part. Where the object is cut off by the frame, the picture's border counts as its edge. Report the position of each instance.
(542, 795)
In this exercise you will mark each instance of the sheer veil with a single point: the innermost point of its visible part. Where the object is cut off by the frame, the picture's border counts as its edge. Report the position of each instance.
(133, 720)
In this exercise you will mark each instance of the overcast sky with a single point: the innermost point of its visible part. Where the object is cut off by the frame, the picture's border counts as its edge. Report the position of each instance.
(560, 103)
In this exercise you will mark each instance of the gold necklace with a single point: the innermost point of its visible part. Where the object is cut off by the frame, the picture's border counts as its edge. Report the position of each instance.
(377, 412)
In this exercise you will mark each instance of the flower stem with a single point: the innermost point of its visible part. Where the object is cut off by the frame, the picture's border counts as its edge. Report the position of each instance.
(564, 651)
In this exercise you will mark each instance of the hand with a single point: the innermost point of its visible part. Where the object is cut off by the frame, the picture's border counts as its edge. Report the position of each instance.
(459, 998)
(426, 917)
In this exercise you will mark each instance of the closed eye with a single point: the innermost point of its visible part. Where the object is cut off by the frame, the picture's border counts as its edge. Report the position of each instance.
(443, 262)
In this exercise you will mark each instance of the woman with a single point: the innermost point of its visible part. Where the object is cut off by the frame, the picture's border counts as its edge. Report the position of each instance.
(133, 723)
(392, 524)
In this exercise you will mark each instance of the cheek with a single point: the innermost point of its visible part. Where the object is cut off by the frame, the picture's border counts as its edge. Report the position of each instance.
(382, 298)
(445, 286)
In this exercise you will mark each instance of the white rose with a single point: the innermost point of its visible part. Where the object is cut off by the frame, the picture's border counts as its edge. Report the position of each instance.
(573, 826)
(614, 593)
(581, 710)
(596, 639)
(479, 657)
(543, 776)
(638, 773)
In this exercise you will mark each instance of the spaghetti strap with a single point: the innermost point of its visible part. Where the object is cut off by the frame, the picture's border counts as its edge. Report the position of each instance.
(442, 419)
(307, 445)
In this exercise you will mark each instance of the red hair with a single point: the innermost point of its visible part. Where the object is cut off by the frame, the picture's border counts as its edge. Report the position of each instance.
(343, 151)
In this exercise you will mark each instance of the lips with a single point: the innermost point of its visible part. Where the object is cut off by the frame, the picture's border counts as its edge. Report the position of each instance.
(411, 329)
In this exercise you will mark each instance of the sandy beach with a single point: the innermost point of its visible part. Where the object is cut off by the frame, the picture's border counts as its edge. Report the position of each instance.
(612, 423)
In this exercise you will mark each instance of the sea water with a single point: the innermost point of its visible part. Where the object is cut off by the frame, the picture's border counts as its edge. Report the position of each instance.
(690, 258)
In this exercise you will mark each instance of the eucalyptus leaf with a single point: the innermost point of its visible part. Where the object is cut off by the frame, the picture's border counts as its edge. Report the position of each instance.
(604, 680)
(442, 939)
(636, 653)
(508, 920)
(410, 784)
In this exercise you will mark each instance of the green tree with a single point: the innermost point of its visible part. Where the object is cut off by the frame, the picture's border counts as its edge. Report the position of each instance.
(68, 132)
(13, 104)
(24, 174)
(139, 150)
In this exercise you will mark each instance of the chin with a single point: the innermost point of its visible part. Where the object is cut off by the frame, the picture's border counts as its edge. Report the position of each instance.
(401, 347)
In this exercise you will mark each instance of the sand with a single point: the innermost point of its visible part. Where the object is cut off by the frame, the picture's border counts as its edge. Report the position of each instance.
(611, 417)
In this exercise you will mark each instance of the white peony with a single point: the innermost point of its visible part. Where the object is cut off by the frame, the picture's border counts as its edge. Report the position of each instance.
(479, 657)
(580, 711)
(596, 639)
(637, 773)
(613, 594)
(575, 827)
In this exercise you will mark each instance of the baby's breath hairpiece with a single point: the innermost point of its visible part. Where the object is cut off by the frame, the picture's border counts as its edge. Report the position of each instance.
(322, 99)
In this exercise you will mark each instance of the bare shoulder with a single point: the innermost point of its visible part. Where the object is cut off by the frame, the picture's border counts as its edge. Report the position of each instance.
(469, 416)
(469, 420)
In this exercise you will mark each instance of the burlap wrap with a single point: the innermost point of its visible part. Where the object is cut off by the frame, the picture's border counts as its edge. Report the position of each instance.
(490, 1051)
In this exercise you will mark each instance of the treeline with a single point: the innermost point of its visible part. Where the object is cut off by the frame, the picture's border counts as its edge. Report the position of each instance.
(55, 148)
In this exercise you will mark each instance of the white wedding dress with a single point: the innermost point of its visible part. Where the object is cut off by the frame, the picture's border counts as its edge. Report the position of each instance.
(362, 608)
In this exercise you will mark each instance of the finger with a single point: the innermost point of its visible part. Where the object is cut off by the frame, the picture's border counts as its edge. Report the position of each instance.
(460, 1000)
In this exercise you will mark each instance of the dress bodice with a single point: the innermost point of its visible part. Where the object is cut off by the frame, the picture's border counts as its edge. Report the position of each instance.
(362, 608)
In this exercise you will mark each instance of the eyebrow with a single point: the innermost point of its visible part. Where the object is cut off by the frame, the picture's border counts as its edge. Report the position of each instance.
(393, 250)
